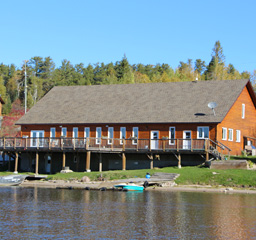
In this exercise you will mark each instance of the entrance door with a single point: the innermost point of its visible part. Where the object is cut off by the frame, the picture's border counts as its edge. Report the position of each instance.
(37, 138)
(48, 164)
(186, 139)
(154, 139)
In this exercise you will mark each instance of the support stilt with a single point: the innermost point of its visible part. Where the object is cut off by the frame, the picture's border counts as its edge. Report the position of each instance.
(88, 161)
(179, 161)
(123, 161)
(16, 162)
(151, 163)
(63, 160)
(37, 163)
(100, 163)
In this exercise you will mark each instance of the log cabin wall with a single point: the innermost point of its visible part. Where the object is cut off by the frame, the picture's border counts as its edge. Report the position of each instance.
(234, 120)
(144, 129)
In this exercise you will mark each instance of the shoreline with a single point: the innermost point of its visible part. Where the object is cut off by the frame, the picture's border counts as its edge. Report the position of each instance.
(61, 184)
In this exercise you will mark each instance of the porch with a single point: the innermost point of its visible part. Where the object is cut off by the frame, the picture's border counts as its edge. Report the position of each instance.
(150, 147)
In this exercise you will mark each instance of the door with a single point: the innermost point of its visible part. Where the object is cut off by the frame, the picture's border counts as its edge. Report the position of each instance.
(186, 139)
(48, 164)
(154, 139)
(37, 138)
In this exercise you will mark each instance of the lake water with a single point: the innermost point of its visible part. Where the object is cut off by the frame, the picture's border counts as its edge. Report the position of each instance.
(38, 213)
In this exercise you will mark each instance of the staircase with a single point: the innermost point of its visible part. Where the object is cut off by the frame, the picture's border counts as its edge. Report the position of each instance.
(218, 150)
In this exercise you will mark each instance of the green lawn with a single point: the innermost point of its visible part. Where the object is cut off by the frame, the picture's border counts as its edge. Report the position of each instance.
(188, 176)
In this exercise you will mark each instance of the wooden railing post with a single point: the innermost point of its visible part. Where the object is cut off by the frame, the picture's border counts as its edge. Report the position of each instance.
(14, 143)
(191, 145)
(87, 144)
(26, 143)
(163, 145)
(137, 144)
(123, 144)
(49, 143)
(177, 144)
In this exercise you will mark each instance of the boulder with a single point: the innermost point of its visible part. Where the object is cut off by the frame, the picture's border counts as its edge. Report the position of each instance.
(85, 179)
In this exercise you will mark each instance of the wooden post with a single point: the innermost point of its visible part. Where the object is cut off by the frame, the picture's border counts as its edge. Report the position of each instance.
(179, 160)
(164, 145)
(191, 142)
(49, 143)
(152, 163)
(123, 144)
(123, 161)
(207, 156)
(26, 143)
(87, 144)
(88, 161)
(16, 162)
(177, 145)
(100, 163)
(14, 143)
(63, 160)
(37, 163)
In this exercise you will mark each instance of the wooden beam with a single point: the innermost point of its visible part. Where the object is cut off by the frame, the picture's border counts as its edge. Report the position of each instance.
(16, 162)
(100, 163)
(207, 156)
(37, 163)
(123, 161)
(88, 161)
(63, 160)
(151, 163)
(179, 160)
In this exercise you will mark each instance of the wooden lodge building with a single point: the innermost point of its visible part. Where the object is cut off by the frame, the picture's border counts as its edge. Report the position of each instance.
(110, 127)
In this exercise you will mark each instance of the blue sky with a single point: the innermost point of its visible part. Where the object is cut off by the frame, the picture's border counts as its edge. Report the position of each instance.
(146, 31)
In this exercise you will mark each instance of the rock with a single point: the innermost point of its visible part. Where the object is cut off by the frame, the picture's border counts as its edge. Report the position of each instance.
(85, 179)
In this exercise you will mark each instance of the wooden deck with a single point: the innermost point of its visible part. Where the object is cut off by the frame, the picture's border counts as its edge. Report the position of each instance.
(102, 145)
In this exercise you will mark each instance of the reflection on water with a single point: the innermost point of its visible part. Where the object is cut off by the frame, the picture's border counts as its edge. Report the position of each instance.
(29, 213)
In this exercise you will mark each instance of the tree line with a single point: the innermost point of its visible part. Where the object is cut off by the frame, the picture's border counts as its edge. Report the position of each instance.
(42, 75)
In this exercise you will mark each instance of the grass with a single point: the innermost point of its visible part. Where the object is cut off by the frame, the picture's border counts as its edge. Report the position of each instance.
(188, 176)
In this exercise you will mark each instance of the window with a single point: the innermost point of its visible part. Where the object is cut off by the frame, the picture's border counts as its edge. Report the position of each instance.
(98, 135)
(224, 133)
(243, 111)
(86, 132)
(230, 134)
(75, 132)
(122, 134)
(37, 138)
(202, 132)
(64, 132)
(135, 135)
(172, 135)
(52, 134)
(238, 136)
(110, 135)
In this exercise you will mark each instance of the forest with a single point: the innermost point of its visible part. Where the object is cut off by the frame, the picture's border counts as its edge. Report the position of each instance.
(42, 75)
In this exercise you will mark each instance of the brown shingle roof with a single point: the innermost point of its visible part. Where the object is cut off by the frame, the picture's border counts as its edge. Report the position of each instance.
(136, 103)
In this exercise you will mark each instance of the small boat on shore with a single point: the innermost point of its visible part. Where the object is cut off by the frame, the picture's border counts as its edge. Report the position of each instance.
(11, 180)
(129, 187)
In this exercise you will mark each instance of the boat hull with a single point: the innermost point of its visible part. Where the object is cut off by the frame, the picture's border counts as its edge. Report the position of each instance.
(130, 187)
(11, 180)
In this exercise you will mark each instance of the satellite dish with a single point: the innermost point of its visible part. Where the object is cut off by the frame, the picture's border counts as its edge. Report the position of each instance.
(212, 105)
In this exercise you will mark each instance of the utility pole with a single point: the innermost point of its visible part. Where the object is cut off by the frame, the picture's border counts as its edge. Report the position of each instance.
(25, 88)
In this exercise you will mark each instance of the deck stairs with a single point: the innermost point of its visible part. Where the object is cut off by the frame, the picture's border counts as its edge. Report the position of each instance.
(218, 150)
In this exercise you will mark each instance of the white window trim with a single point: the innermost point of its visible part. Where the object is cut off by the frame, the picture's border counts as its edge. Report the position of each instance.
(31, 136)
(171, 140)
(73, 134)
(243, 111)
(98, 138)
(226, 131)
(230, 139)
(110, 139)
(86, 128)
(238, 134)
(121, 135)
(135, 142)
(203, 137)
(62, 132)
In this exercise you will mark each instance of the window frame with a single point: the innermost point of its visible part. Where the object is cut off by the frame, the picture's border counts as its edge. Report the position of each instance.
(121, 135)
(135, 141)
(226, 133)
(243, 111)
(203, 133)
(98, 138)
(172, 140)
(51, 133)
(62, 135)
(238, 134)
(230, 130)
(110, 139)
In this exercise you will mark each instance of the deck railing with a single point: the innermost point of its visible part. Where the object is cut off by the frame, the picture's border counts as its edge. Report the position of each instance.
(108, 144)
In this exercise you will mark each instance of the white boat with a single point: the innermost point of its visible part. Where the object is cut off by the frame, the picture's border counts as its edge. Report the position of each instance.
(12, 180)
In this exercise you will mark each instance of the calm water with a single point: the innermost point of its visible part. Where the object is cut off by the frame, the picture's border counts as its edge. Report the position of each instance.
(36, 213)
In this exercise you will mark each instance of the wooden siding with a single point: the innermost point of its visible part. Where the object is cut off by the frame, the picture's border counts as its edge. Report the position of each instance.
(144, 130)
(233, 120)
